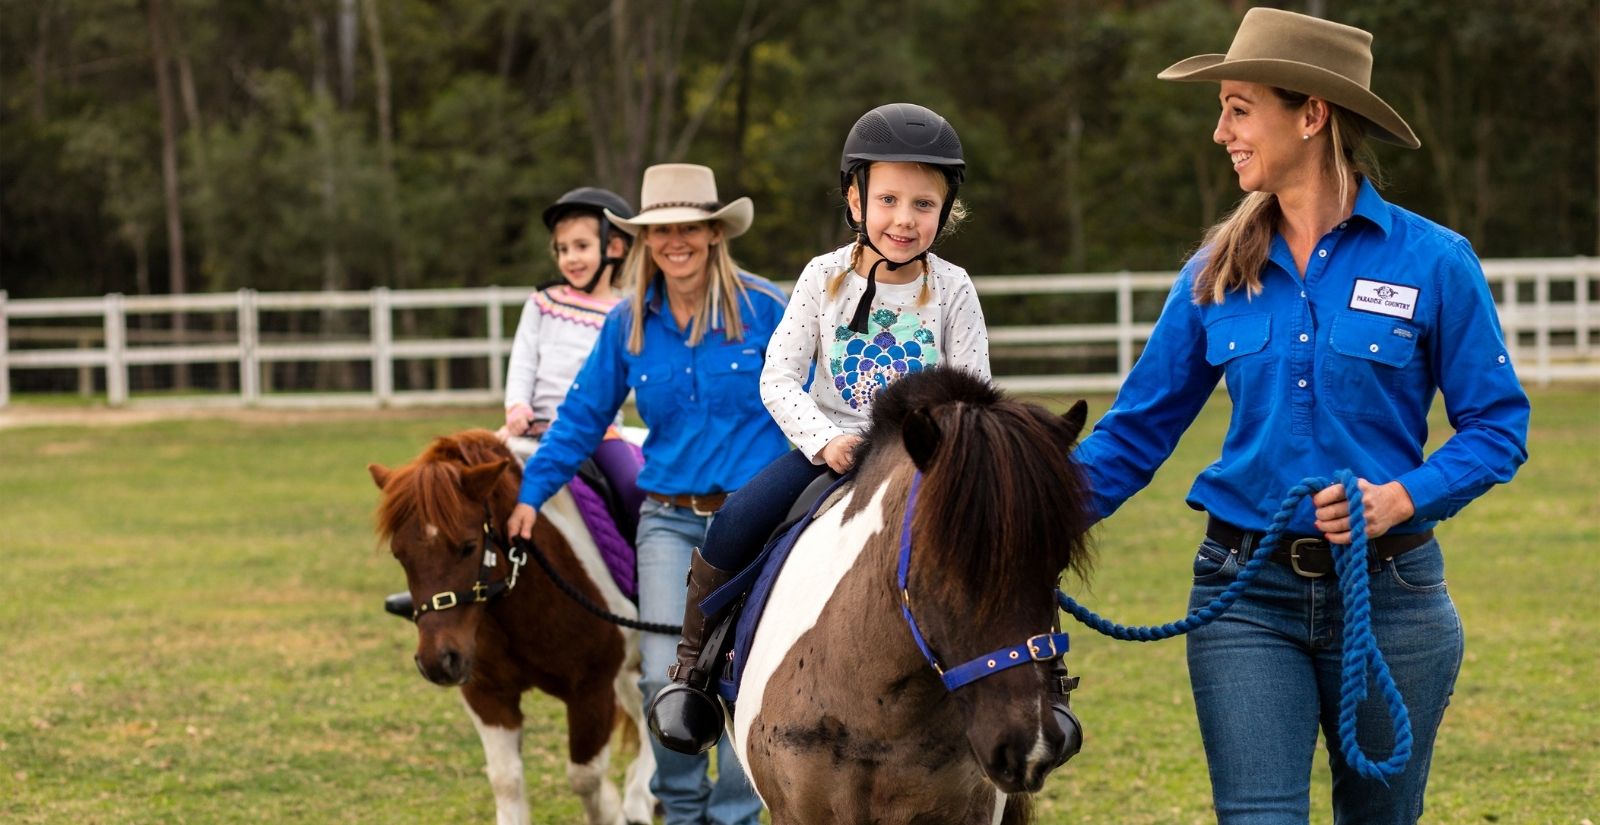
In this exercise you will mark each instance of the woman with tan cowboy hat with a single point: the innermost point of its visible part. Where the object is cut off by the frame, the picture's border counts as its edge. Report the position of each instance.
(689, 342)
(1334, 317)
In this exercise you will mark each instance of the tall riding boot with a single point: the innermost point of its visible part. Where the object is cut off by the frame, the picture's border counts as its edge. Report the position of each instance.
(1060, 686)
(685, 716)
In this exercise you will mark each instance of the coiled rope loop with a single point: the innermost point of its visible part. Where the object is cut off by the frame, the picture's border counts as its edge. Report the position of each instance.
(1360, 655)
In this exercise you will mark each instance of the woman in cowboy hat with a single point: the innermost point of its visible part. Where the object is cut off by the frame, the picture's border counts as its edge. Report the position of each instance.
(689, 342)
(1334, 316)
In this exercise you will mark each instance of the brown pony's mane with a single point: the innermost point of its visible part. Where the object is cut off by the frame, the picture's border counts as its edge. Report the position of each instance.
(1002, 503)
(429, 487)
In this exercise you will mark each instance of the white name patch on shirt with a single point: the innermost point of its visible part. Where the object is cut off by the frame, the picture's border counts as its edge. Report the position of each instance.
(1394, 300)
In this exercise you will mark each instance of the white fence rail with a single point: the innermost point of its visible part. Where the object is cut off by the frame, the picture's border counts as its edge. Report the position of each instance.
(1546, 310)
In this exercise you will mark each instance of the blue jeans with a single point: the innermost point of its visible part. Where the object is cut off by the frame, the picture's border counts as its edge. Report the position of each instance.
(1266, 677)
(751, 513)
(667, 538)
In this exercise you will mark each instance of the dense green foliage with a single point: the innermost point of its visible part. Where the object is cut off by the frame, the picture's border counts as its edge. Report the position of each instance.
(193, 634)
(352, 143)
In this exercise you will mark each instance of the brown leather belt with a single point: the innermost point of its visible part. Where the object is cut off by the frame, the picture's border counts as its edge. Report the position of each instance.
(702, 505)
(1310, 556)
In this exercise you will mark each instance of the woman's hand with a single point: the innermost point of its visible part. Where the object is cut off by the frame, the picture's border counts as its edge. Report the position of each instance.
(521, 521)
(1383, 506)
(839, 454)
(519, 417)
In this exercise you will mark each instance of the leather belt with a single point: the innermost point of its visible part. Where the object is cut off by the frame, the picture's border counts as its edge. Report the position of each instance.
(702, 505)
(1310, 556)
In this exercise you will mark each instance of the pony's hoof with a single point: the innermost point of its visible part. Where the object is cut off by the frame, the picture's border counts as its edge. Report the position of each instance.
(685, 720)
(1071, 728)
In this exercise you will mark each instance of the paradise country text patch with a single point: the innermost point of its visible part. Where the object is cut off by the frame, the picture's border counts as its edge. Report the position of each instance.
(1394, 300)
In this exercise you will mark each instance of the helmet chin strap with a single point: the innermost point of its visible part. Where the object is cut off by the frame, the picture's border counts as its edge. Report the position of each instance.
(858, 321)
(614, 265)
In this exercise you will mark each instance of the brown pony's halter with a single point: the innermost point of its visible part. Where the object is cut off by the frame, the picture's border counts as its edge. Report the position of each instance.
(482, 590)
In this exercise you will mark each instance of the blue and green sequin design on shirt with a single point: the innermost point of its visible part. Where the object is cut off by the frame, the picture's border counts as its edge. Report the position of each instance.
(864, 363)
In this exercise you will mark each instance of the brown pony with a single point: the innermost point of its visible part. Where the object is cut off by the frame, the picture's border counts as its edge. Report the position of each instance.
(443, 515)
(841, 717)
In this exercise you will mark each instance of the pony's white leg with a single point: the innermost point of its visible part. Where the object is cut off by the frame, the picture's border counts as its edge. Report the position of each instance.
(502, 747)
(999, 808)
(599, 796)
(638, 804)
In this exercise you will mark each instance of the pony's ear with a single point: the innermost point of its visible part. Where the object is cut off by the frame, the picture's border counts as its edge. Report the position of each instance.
(479, 480)
(380, 474)
(921, 436)
(1075, 417)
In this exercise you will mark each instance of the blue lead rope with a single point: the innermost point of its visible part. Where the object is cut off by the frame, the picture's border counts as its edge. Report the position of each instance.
(1360, 655)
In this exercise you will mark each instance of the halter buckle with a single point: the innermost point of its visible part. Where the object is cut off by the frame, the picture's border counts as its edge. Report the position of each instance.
(444, 601)
(1034, 647)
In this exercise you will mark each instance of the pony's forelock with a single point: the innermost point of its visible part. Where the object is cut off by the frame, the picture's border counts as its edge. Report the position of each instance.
(429, 488)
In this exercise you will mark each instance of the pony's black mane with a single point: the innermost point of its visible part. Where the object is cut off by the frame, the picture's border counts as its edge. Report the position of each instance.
(921, 391)
(1002, 502)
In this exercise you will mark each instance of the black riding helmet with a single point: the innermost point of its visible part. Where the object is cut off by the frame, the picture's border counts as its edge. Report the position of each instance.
(591, 200)
(903, 133)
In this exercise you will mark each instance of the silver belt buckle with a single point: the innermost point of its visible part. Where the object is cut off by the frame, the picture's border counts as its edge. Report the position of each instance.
(1294, 558)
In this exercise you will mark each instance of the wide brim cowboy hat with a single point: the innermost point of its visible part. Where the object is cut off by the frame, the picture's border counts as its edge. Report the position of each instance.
(1302, 54)
(685, 193)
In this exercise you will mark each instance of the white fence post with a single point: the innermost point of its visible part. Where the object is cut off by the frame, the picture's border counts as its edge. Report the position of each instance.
(1124, 325)
(497, 334)
(1541, 326)
(249, 338)
(5, 365)
(382, 347)
(1580, 313)
(116, 351)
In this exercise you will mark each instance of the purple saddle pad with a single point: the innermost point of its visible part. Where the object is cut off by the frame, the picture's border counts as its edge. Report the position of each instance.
(614, 549)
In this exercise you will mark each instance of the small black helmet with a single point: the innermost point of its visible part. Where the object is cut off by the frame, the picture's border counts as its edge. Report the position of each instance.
(907, 133)
(592, 200)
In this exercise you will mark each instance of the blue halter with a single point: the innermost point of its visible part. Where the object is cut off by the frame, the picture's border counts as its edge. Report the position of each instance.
(1040, 648)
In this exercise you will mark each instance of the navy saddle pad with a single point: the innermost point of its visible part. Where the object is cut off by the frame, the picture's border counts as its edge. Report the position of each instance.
(757, 580)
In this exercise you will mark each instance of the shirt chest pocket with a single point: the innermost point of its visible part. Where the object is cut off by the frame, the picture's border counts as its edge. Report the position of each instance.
(654, 392)
(1238, 344)
(733, 377)
(1368, 358)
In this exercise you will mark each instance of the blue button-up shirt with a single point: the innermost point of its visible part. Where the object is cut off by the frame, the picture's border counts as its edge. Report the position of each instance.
(1330, 372)
(709, 432)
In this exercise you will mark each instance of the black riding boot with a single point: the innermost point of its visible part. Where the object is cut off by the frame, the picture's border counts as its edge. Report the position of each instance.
(1061, 686)
(399, 604)
(685, 716)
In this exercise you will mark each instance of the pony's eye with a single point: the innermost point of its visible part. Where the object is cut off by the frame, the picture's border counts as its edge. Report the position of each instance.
(466, 549)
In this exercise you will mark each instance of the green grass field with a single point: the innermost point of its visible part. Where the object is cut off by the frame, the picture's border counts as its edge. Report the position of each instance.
(191, 633)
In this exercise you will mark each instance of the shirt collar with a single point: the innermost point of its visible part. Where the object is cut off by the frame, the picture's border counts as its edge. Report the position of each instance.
(1371, 206)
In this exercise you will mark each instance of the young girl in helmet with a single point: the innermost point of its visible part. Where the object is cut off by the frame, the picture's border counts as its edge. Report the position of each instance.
(560, 323)
(864, 315)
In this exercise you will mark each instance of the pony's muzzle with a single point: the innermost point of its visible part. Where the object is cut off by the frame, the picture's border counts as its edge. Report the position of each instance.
(1020, 763)
(449, 670)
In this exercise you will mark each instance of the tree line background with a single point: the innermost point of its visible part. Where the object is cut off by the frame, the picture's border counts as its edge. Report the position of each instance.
(152, 146)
